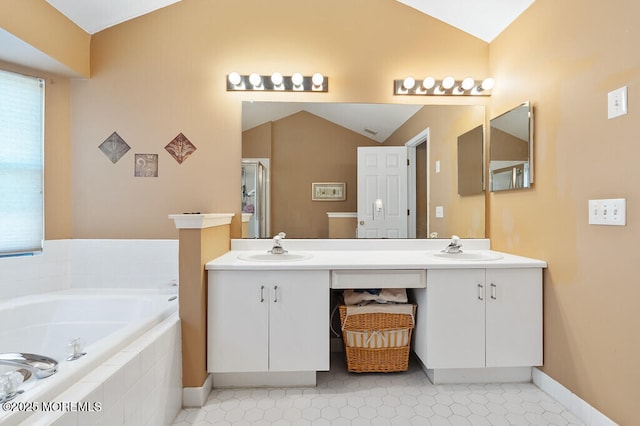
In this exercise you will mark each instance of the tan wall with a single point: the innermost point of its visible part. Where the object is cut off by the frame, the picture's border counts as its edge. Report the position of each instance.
(57, 152)
(164, 73)
(463, 215)
(564, 57)
(256, 142)
(307, 149)
(343, 227)
(506, 147)
(197, 247)
(41, 25)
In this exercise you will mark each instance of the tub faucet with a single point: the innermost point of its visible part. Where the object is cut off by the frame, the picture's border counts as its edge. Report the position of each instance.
(277, 244)
(454, 246)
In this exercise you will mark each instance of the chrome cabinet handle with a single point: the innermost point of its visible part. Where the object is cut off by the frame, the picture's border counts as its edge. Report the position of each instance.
(493, 291)
(262, 294)
(275, 294)
(480, 292)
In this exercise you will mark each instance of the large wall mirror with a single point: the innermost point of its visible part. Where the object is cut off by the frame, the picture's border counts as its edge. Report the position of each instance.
(297, 146)
(511, 152)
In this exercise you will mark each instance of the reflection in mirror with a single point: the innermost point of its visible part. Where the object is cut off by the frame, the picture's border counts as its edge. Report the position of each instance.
(308, 143)
(511, 152)
(471, 161)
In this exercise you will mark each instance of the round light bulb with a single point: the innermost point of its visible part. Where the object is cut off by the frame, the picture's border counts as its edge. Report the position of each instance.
(408, 83)
(255, 79)
(428, 83)
(467, 83)
(487, 83)
(297, 79)
(317, 79)
(448, 83)
(234, 78)
(277, 79)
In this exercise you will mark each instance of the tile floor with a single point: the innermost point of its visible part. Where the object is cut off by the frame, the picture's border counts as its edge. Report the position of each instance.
(352, 399)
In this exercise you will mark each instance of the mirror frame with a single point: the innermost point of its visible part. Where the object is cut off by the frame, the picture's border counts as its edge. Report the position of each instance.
(529, 106)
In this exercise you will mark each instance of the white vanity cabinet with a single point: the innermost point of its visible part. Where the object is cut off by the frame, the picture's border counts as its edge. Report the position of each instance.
(268, 321)
(477, 318)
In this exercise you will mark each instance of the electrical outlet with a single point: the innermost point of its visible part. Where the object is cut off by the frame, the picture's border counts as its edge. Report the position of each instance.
(617, 102)
(608, 212)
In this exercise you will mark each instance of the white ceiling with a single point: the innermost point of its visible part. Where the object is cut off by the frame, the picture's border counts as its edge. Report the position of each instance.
(484, 19)
(96, 15)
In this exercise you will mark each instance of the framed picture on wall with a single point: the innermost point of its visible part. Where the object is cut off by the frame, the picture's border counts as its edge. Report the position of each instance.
(328, 191)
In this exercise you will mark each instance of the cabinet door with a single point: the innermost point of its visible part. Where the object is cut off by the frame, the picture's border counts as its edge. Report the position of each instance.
(455, 318)
(514, 317)
(299, 321)
(238, 321)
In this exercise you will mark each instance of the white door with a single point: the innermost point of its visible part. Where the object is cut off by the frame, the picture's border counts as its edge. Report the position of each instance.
(238, 322)
(455, 326)
(514, 317)
(382, 192)
(299, 321)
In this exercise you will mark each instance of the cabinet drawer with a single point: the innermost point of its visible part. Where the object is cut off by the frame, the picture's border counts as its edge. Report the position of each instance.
(384, 278)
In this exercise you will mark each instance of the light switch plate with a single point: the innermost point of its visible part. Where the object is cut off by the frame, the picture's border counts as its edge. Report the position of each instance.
(439, 211)
(617, 102)
(608, 212)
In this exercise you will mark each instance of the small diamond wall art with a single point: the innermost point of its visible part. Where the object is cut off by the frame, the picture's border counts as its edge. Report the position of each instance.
(114, 147)
(180, 148)
(146, 165)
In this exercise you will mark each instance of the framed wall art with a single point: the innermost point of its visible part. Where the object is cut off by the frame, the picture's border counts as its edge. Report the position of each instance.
(328, 191)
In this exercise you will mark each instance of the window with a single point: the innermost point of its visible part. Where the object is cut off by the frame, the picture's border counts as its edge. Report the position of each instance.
(21, 164)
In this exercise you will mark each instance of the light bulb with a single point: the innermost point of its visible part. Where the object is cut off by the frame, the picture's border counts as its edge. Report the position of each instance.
(234, 78)
(276, 79)
(255, 79)
(428, 83)
(467, 83)
(487, 83)
(297, 79)
(408, 83)
(448, 83)
(317, 79)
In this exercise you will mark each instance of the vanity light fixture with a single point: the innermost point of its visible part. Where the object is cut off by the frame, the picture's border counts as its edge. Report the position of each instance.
(448, 86)
(277, 82)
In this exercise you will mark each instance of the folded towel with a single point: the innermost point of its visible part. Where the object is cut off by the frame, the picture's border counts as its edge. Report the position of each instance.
(385, 295)
(404, 308)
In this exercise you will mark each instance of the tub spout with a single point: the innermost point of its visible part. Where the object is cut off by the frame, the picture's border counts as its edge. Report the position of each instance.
(43, 366)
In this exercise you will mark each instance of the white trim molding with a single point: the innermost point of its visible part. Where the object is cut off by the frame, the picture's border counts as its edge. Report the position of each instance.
(572, 402)
(200, 220)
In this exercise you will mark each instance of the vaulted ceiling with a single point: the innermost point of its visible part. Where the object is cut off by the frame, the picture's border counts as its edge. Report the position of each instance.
(484, 19)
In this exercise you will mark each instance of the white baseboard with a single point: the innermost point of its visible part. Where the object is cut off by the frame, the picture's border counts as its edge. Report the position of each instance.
(196, 397)
(479, 375)
(264, 379)
(572, 402)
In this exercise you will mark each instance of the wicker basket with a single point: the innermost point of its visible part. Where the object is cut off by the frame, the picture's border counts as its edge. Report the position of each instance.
(377, 342)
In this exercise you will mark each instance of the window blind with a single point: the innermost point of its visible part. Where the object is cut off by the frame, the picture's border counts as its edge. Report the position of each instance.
(21, 164)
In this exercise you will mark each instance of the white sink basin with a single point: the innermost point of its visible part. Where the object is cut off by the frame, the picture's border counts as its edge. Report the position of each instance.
(269, 257)
(469, 256)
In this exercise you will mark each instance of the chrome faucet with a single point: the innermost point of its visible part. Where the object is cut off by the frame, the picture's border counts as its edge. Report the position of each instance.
(277, 244)
(454, 246)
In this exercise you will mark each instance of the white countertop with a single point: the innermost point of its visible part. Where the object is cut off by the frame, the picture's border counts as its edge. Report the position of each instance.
(368, 259)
